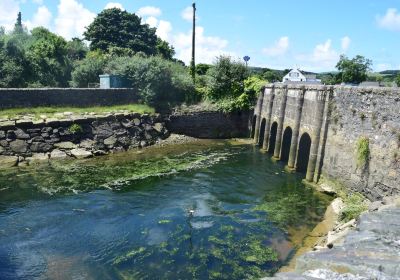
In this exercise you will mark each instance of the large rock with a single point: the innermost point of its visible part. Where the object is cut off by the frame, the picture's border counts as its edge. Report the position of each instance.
(20, 134)
(19, 146)
(40, 147)
(38, 158)
(110, 141)
(65, 145)
(81, 153)
(103, 131)
(159, 127)
(57, 154)
(2, 134)
(8, 161)
(87, 144)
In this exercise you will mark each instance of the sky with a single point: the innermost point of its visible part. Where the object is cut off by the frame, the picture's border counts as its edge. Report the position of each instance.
(308, 34)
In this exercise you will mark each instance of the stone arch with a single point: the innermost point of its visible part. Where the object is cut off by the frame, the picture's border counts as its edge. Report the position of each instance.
(262, 132)
(304, 152)
(286, 142)
(272, 137)
(253, 126)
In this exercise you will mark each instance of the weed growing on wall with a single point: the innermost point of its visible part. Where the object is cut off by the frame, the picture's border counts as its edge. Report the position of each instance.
(362, 151)
(75, 128)
(354, 206)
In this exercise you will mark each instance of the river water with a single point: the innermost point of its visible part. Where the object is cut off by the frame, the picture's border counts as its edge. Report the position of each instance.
(207, 210)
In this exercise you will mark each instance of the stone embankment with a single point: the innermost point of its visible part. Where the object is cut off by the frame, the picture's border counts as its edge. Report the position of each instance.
(24, 141)
(368, 249)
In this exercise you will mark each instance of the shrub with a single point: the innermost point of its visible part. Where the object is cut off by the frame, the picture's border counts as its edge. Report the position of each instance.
(88, 70)
(362, 151)
(354, 206)
(158, 81)
(75, 128)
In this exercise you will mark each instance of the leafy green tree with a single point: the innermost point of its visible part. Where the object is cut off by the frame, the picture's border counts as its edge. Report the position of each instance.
(76, 49)
(48, 55)
(18, 27)
(227, 78)
(353, 70)
(201, 68)
(272, 76)
(164, 49)
(117, 28)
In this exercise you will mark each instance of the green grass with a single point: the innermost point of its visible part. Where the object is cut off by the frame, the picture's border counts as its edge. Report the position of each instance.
(51, 111)
(362, 151)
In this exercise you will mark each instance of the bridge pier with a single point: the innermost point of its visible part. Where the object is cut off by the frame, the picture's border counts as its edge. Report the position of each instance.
(258, 112)
(319, 117)
(279, 132)
(270, 103)
(296, 129)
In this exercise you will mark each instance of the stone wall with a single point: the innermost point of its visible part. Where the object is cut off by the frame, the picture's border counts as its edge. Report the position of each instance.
(210, 124)
(373, 113)
(13, 98)
(335, 119)
(79, 138)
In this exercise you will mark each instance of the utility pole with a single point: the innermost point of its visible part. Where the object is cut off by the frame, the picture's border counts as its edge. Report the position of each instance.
(193, 62)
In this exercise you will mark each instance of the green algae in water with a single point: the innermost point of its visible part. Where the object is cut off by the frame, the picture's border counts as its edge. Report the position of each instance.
(135, 223)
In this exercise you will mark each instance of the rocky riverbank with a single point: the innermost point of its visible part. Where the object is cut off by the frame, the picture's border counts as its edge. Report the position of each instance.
(26, 141)
(362, 250)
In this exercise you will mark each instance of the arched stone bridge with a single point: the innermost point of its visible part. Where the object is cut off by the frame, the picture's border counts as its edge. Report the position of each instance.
(290, 122)
(316, 128)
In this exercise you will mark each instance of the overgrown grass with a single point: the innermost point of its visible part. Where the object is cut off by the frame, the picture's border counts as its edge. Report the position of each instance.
(354, 206)
(51, 112)
(362, 151)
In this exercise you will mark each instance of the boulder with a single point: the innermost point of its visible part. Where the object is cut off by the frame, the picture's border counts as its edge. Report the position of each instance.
(38, 158)
(57, 154)
(110, 141)
(81, 153)
(136, 122)
(40, 147)
(8, 161)
(86, 144)
(65, 145)
(2, 134)
(19, 146)
(103, 131)
(159, 127)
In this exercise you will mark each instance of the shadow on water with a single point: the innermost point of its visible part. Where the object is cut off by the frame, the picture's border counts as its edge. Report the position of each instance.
(203, 211)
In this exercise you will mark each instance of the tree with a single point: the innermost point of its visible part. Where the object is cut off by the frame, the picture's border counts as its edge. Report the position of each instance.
(272, 76)
(227, 78)
(116, 28)
(76, 49)
(18, 28)
(88, 70)
(353, 70)
(164, 49)
(201, 69)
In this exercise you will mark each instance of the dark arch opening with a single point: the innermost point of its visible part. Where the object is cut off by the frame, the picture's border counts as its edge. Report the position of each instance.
(286, 142)
(272, 138)
(262, 132)
(253, 126)
(304, 153)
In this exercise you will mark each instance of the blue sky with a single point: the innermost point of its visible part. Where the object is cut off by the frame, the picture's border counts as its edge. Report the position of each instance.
(310, 34)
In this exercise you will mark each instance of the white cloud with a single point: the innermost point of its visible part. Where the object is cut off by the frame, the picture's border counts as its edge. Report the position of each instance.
(322, 58)
(114, 5)
(207, 47)
(164, 29)
(279, 48)
(8, 13)
(345, 43)
(72, 18)
(149, 11)
(42, 17)
(151, 21)
(390, 21)
(39, 2)
(187, 14)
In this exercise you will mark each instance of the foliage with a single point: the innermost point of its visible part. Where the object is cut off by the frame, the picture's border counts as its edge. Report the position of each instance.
(88, 70)
(116, 28)
(272, 76)
(76, 49)
(158, 81)
(397, 80)
(362, 151)
(201, 69)
(227, 78)
(329, 78)
(353, 70)
(354, 206)
(75, 128)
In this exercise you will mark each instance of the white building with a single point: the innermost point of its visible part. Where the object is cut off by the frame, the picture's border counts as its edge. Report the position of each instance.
(298, 76)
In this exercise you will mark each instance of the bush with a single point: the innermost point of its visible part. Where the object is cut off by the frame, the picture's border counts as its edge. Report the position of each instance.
(88, 70)
(362, 151)
(158, 81)
(354, 206)
(226, 78)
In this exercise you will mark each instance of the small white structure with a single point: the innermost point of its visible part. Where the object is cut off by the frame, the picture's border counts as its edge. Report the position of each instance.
(298, 76)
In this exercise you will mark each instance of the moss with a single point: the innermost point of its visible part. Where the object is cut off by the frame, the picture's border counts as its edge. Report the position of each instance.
(129, 255)
(354, 206)
(258, 253)
(362, 152)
